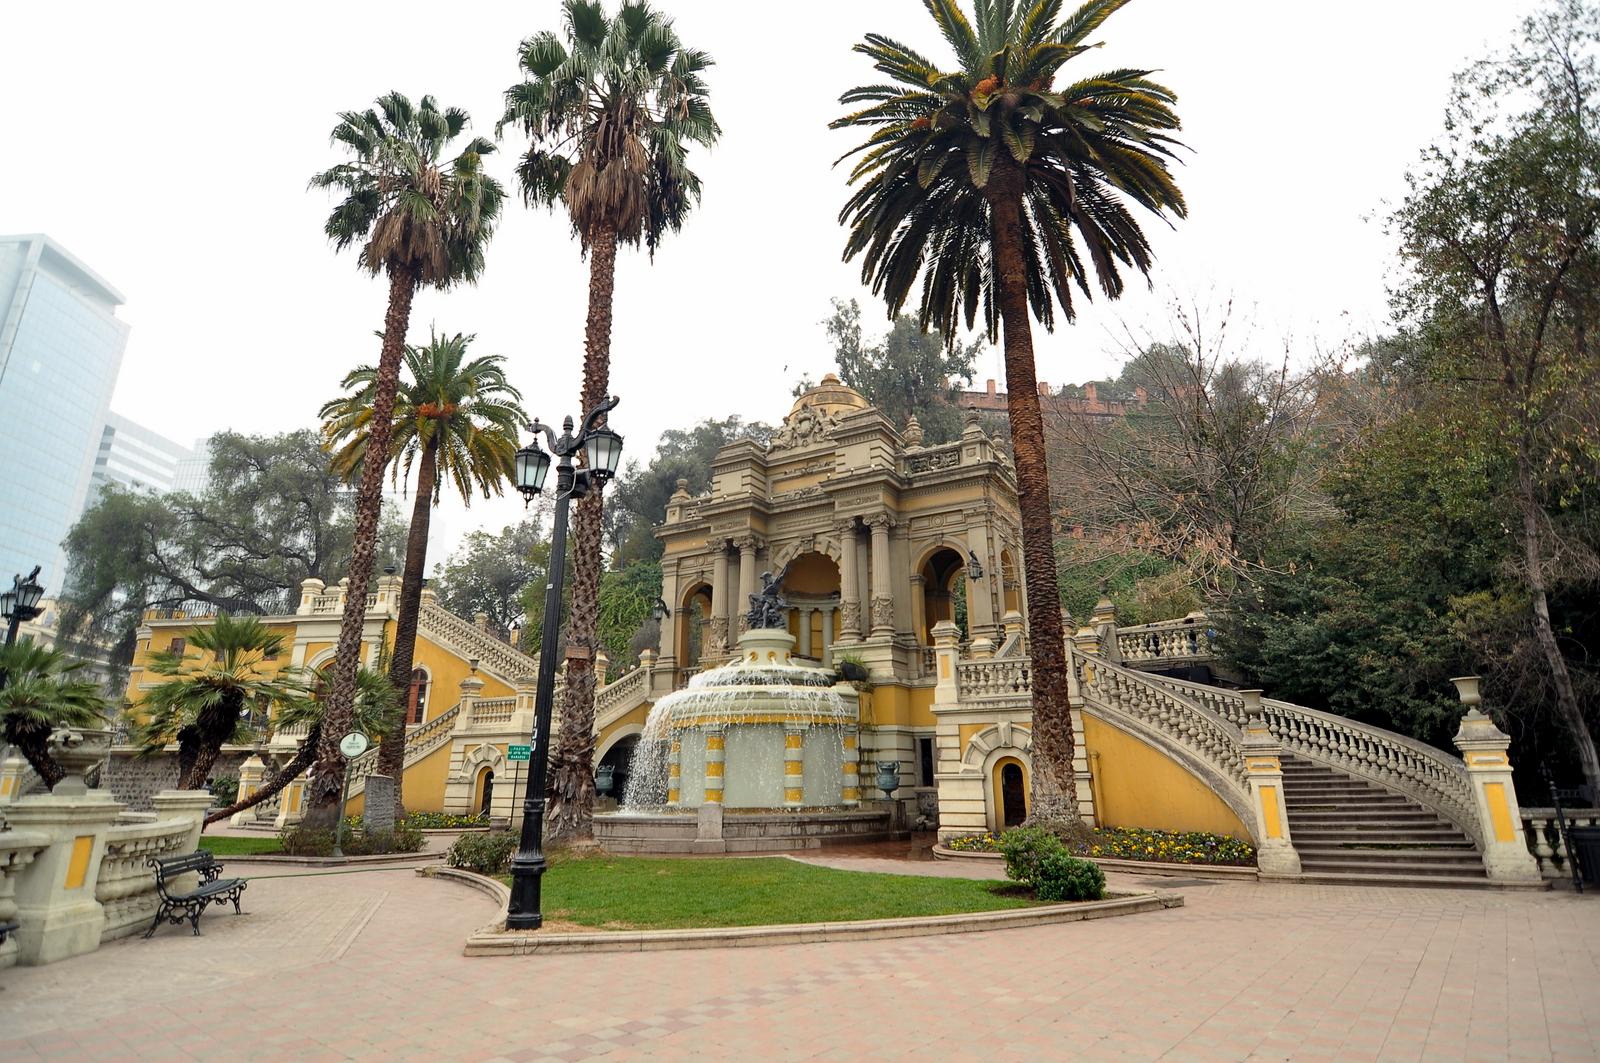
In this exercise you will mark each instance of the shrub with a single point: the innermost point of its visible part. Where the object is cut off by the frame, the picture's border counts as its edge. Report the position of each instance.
(305, 841)
(1025, 849)
(308, 841)
(224, 790)
(487, 854)
(1066, 878)
(444, 820)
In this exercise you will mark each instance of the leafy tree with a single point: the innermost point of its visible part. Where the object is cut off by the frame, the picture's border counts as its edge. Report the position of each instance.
(457, 421)
(275, 513)
(1003, 190)
(377, 706)
(418, 219)
(204, 696)
(40, 693)
(489, 572)
(909, 372)
(627, 598)
(611, 111)
(1499, 238)
(638, 499)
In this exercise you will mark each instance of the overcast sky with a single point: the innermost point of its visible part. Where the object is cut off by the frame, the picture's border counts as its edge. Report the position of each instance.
(168, 146)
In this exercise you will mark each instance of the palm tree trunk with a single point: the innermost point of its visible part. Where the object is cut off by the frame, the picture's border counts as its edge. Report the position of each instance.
(288, 774)
(392, 750)
(323, 807)
(36, 751)
(1055, 789)
(571, 788)
(1544, 631)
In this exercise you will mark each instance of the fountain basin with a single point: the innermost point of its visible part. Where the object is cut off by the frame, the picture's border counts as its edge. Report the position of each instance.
(743, 832)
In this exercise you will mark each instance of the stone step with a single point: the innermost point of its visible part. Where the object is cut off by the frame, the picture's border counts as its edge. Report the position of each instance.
(1367, 798)
(1335, 812)
(1351, 878)
(1319, 855)
(1331, 835)
(1389, 867)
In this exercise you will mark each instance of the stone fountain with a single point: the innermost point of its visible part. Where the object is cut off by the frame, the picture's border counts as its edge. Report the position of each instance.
(759, 753)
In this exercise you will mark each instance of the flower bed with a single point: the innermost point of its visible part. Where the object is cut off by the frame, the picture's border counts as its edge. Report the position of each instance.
(1132, 843)
(444, 821)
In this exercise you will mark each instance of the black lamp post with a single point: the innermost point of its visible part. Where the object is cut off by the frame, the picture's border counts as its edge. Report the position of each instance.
(21, 603)
(602, 449)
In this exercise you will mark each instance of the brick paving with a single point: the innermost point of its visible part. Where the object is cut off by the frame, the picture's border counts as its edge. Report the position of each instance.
(368, 965)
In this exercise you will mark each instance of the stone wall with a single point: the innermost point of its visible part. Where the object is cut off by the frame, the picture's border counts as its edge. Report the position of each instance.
(134, 780)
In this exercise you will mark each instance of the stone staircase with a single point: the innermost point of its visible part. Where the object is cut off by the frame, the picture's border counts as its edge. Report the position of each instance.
(1348, 830)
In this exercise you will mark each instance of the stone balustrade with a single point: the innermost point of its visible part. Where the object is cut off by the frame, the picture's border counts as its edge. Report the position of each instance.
(487, 711)
(1544, 839)
(500, 659)
(1184, 641)
(126, 886)
(995, 679)
(18, 848)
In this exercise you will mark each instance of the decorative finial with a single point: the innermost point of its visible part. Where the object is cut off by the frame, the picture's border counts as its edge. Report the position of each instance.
(913, 435)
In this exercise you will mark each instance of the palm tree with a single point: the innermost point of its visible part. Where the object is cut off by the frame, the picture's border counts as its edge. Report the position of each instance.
(1004, 189)
(420, 221)
(377, 706)
(457, 422)
(41, 693)
(205, 696)
(611, 113)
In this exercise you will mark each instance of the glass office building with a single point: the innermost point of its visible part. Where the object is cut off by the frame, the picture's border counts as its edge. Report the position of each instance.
(133, 457)
(61, 346)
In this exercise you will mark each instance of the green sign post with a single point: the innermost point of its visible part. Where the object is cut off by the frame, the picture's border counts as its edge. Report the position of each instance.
(519, 752)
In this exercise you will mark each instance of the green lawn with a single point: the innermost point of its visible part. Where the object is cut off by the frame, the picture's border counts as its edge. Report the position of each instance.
(228, 846)
(625, 893)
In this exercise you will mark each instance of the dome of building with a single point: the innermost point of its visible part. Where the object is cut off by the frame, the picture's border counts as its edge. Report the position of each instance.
(831, 397)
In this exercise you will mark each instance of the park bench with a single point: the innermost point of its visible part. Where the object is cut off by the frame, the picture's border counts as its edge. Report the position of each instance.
(176, 907)
(7, 929)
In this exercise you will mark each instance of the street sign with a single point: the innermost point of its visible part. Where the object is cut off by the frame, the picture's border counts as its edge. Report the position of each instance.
(353, 744)
(519, 752)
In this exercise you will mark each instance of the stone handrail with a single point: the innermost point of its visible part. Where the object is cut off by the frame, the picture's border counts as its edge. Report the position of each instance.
(499, 659)
(492, 710)
(1433, 778)
(18, 848)
(620, 697)
(1543, 834)
(126, 887)
(1168, 640)
(993, 679)
(419, 743)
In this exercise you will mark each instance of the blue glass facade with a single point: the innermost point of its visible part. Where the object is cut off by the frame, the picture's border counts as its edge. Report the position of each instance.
(61, 346)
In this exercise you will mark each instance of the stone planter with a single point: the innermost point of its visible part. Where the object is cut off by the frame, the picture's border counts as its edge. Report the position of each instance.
(78, 750)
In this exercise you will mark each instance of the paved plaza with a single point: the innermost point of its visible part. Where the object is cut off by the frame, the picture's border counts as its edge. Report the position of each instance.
(369, 965)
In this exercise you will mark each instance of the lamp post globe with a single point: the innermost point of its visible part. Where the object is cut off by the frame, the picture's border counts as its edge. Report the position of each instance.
(532, 466)
(602, 449)
(29, 593)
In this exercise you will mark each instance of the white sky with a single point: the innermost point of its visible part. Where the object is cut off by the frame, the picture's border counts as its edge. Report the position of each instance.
(168, 146)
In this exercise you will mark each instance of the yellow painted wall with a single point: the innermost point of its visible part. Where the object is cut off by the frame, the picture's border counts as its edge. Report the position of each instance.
(812, 574)
(423, 789)
(889, 706)
(1139, 786)
(446, 671)
(633, 716)
(161, 640)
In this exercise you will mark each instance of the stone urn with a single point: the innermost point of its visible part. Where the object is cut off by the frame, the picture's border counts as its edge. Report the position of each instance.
(604, 779)
(78, 750)
(888, 777)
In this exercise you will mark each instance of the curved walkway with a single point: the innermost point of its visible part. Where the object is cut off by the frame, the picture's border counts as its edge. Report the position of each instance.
(368, 965)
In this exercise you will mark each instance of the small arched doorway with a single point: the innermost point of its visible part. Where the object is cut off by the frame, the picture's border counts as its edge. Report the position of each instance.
(942, 592)
(693, 629)
(619, 758)
(1011, 793)
(485, 791)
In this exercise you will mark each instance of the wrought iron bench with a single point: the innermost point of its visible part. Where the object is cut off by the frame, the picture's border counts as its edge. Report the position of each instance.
(7, 929)
(176, 907)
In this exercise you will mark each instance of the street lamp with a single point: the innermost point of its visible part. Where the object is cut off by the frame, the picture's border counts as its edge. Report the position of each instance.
(602, 451)
(21, 603)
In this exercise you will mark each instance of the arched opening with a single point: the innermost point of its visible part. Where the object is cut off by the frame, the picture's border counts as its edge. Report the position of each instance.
(619, 758)
(943, 592)
(1011, 793)
(417, 696)
(485, 788)
(1011, 584)
(693, 631)
(811, 586)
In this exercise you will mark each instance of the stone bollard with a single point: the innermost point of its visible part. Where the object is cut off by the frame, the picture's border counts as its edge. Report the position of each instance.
(377, 811)
(708, 833)
(1275, 853)
(251, 772)
(1483, 746)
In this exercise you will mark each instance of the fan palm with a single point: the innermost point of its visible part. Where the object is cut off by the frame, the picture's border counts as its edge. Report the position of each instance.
(456, 420)
(42, 692)
(204, 696)
(420, 219)
(377, 707)
(1004, 187)
(611, 111)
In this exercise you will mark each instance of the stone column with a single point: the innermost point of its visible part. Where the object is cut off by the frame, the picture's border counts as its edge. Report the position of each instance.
(471, 687)
(309, 589)
(981, 593)
(715, 747)
(827, 636)
(803, 628)
(882, 587)
(1483, 746)
(919, 609)
(794, 767)
(250, 775)
(674, 772)
(747, 545)
(849, 584)
(850, 783)
(946, 639)
(1275, 854)
(719, 602)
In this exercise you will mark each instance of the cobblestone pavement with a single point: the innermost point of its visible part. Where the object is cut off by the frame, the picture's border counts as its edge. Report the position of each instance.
(368, 965)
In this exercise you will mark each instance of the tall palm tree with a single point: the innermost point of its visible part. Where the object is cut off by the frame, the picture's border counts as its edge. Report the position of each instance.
(611, 112)
(377, 706)
(1003, 188)
(457, 421)
(205, 695)
(43, 692)
(421, 220)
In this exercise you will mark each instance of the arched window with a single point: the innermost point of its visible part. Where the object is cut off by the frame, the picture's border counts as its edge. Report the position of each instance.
(417, 701)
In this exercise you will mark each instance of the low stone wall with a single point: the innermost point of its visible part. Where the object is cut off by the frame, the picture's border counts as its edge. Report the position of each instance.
(126, 886)
(739, 832)
(134, 780)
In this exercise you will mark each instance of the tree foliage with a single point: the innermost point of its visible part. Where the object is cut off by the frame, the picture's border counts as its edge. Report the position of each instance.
(908, 372)
(490, 572)
(43, 692)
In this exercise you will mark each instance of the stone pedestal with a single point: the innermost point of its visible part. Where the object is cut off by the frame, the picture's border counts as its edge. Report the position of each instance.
(13, 770)
(1275, 852)
(291, 803)
(947, 649)
(708, 836)
(54, 896)
(1505, 852)
(18, 848)
(378, 808)
(251, 773)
